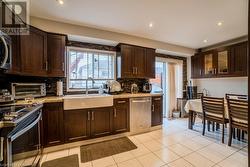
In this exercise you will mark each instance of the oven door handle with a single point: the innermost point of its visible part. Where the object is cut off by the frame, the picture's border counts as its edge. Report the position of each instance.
(21, 132)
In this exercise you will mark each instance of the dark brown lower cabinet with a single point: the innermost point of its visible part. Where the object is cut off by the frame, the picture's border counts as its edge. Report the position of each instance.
(157, 110)
(121, 116)
(101, 121)
(76, 125)
(53, 124)
(65, 126)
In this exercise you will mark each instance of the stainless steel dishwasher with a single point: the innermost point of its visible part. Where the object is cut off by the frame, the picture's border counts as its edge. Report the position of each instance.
(140, 114)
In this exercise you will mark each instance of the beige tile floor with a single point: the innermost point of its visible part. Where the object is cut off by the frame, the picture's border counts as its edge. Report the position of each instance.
(172, 146)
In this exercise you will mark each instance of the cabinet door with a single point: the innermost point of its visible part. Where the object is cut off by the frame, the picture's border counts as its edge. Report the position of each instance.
(222, 61)
(34, 53)
(127, 68)
(76, 125)
(157, 111)
(196, 66)
(121, 116)
(150, 63)
(139, 62)
(53, 124)
(238, 60)
(56, 55)
(101, 121)
(209, 64)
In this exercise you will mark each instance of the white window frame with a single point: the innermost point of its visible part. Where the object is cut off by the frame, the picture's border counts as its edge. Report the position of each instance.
(86, 50)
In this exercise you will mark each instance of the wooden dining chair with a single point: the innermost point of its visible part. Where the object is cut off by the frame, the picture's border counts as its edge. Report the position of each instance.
(236, 96)
(214, 111)
(237, 132)
(238, 116)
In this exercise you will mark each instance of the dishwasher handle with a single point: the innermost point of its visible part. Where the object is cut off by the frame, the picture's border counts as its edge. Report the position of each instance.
(141, 101)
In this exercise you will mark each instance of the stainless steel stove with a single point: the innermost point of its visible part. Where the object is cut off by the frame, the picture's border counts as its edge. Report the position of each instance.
(20, 133)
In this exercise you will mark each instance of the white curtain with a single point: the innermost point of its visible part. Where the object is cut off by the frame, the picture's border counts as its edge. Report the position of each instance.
(174, 86)
(171, 89)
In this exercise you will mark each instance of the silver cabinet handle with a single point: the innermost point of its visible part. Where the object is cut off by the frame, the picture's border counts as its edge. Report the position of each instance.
(156, 99)
(200, 72)
(136, 70)
(93, 116)
(46, 65)
(88, 116)
(115, 114)
(120, 102)
(153, 108)
(140, 101)
(1, 151)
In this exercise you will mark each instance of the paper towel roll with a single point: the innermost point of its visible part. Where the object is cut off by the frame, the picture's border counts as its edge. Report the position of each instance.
(59, 88)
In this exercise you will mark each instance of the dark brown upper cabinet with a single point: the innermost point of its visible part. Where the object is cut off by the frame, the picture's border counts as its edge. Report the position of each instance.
(135, 62)
(196, 66)
(230, 61)
(38, 54)
(56, 55)
(239, 59)
(33, 53)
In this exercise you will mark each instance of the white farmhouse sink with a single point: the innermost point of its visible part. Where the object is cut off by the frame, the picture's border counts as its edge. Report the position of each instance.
(71, 102)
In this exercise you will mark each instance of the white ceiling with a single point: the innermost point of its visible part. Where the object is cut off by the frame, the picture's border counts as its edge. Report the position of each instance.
(182, 22)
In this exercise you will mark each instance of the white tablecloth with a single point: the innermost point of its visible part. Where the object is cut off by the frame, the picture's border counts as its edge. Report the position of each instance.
(195, 105)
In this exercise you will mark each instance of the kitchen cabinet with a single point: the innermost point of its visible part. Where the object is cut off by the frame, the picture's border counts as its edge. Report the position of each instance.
(150, 63)
(157, 111)
(209, 61)
(33, 53)
(239, 59)
(222, 62)
(56, 54)
(53, 124)
(121, 116)
(229, 61)
(101, 121)
(77, 124)
(135, 62)
(196, 66)
(38, 54)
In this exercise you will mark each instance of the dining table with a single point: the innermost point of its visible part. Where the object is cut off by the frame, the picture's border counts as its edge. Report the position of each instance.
(194, 106)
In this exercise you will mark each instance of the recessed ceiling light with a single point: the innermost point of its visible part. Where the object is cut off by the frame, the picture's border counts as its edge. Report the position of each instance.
(60, 2)
(205, 41)
(151, 25)
(219, 23)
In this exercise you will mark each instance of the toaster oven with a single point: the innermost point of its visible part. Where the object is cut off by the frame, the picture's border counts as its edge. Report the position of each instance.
(27, 90)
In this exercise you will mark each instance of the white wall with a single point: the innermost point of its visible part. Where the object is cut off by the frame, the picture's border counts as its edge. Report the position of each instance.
(70, 29)
(218, 87)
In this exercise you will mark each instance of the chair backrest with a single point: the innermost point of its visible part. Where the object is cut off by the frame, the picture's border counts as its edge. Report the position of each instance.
(238, 112)
(235, 96)
(213, 107)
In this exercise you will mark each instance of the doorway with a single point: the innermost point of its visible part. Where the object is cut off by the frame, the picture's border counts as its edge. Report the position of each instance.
(168, 80)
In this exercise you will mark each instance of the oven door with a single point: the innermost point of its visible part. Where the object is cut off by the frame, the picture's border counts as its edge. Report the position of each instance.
(24, 146)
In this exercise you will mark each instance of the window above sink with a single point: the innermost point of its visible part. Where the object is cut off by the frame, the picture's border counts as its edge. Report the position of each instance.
(84, 63)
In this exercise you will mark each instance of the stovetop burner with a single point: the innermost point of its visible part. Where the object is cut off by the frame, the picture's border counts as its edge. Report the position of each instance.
(13, 114)
(10, 113)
